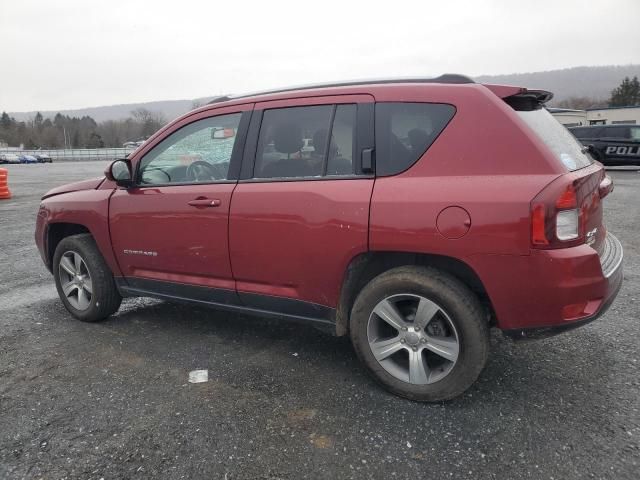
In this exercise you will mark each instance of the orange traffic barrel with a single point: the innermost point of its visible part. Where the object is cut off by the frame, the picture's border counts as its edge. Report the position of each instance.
(4, 185)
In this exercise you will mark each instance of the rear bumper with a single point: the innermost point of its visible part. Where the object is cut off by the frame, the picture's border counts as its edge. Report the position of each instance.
(552, 291)
(536, 333)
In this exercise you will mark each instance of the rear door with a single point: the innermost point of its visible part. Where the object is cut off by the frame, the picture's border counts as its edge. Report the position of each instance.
(300, 211)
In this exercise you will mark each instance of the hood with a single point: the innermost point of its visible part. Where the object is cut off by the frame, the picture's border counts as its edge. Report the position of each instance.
(74, 187)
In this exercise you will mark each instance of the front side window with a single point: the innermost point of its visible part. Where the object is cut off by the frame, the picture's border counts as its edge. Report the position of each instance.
(299, 142)
(197, 153)
(404, 132)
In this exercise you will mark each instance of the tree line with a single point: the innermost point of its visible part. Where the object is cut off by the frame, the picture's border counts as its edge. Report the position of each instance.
(64, 131)
(624, 95)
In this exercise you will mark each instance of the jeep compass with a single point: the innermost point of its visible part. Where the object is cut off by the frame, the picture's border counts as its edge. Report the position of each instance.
(411, 215)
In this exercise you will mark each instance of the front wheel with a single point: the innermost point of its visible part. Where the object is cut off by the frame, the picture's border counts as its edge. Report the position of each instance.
(83, 279)
(421, 333)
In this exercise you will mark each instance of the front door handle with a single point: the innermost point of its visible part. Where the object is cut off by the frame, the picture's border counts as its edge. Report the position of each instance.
(204, 202)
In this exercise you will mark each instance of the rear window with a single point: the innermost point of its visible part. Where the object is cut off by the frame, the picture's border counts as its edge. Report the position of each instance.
(565, 146)
(404, 132)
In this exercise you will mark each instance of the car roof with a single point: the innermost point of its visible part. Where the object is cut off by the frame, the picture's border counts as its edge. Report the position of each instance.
(616, 125)
(447, 78)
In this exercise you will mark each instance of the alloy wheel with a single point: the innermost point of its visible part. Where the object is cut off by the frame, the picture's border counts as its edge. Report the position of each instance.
(75, 280)
(413, 339)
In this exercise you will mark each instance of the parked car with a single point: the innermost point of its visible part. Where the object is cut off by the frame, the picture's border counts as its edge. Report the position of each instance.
(432, 211)
(9, 158)
(28, 159)
(135, 144)
(611, 144)
(43, 158)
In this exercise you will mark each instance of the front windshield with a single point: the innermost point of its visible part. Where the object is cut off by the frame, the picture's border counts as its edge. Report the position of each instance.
(561, 142)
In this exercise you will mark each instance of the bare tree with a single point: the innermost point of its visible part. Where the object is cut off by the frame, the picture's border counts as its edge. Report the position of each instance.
(150, 121)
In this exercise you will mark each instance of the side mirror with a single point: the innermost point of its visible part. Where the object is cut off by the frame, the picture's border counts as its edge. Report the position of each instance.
(120, 172)
(222, 133)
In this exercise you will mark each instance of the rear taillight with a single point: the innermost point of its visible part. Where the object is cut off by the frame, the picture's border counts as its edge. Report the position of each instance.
(567, 224)
(567, 215)
(556, 217)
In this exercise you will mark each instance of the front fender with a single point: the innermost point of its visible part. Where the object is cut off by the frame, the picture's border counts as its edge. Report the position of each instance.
(89, 208)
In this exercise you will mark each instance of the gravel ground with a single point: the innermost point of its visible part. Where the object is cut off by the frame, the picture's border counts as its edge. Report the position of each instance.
(111, 400)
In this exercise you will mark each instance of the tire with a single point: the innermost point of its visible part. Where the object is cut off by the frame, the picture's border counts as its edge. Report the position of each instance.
(447, 317)
(93, 295)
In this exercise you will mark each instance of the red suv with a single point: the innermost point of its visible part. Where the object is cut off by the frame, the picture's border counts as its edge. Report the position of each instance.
(411, 215)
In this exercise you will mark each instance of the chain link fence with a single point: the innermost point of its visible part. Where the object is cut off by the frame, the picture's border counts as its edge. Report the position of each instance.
(74, 154)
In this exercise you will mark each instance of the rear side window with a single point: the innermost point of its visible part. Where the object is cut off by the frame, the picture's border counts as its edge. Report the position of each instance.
(582, 132)
(404, 132)
(302, 142)
(565, 146)
(616, 132)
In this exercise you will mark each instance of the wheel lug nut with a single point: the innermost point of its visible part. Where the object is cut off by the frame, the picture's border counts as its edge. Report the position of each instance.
(423, 340)
(415, 349)
(404, 329)
(402, 341)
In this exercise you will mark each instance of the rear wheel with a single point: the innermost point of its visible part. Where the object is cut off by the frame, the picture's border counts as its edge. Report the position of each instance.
(84, 282)
(420, 332)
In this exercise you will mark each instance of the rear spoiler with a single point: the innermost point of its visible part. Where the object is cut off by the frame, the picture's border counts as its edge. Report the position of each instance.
(520, 98)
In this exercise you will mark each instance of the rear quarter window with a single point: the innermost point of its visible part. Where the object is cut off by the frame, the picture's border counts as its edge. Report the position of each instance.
(561, 142)
(404, 132)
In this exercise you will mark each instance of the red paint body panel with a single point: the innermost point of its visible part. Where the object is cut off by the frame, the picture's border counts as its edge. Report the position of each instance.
(295, 239)
(90, 184)
(89, 208)
(530, 291)
(405, 209)
(182, 243)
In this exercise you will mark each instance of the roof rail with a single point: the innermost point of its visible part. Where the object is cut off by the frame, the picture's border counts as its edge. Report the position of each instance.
(451, 78)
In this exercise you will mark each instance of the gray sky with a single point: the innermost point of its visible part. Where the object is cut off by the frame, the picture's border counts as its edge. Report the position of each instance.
(72, 54)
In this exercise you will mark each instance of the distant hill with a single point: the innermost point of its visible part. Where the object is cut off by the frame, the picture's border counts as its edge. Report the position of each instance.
(593, 82)
(169, 108)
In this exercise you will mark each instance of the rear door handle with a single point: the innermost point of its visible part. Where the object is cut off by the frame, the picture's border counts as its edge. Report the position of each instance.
(204, 202)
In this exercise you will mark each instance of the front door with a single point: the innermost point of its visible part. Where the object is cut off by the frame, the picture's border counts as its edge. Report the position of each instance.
(170, 231)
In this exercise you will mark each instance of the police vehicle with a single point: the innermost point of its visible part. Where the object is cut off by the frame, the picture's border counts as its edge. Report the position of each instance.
(611, 144)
